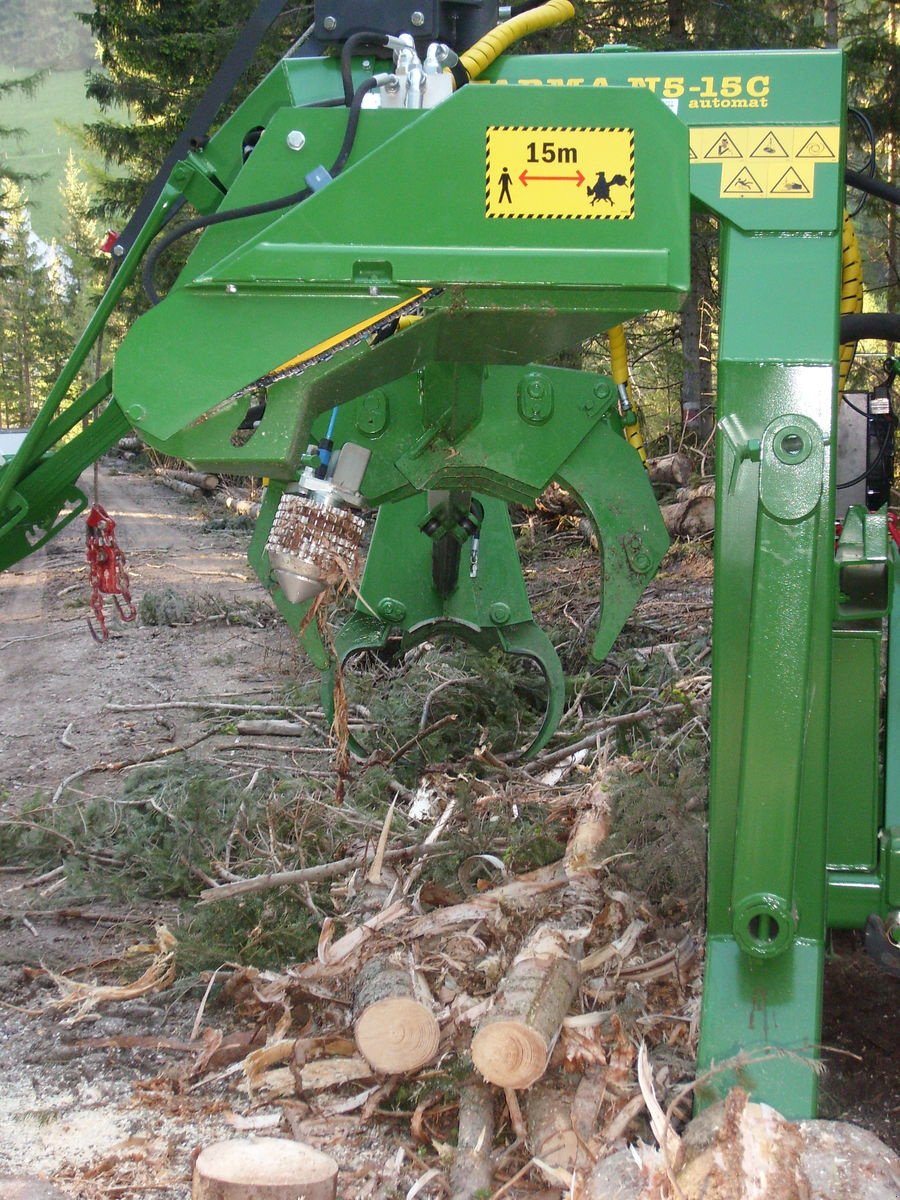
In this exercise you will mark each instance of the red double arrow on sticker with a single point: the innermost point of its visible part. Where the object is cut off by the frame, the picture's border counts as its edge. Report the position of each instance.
(525, 178)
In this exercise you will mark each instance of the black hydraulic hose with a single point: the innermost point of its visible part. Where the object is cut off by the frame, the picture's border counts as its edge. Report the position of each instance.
(874, 187)
(884, 327)
(355, 40)
(265, 206)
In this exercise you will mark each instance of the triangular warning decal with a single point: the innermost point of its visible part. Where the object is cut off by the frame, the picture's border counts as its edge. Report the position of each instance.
(693, 155)
(723, 147)
(743, 184)
(818, 145)
(790, 184)
(770, 147)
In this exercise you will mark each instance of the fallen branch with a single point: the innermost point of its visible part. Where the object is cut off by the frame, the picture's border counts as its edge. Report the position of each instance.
(471, 1172)
(342, 866)
(551, 757)
(126, 764)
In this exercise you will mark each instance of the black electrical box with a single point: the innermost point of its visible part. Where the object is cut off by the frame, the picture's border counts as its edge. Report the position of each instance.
(460, 24)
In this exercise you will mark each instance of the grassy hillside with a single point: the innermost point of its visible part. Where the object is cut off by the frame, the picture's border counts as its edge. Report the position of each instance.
(51, 119)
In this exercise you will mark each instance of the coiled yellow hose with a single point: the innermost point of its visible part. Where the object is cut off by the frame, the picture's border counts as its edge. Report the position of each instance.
(851, 292)
(480, 56)
(618, 355)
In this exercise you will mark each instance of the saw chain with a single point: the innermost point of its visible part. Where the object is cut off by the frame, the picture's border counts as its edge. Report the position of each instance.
(364, 331)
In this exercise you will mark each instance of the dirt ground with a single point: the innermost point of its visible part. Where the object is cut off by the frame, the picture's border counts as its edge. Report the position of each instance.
(73, 1107)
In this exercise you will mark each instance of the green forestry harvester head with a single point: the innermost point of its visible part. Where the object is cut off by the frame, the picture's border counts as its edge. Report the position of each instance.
(398, 229)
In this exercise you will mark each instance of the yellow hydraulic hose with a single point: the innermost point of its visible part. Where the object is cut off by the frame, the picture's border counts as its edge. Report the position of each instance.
(851, 292)
(480, 56)
(618, 355)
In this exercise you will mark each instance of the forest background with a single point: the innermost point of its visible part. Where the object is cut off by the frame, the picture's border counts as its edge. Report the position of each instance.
(91, 101)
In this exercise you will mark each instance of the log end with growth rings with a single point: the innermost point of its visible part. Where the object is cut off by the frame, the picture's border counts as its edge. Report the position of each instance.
(397, 1034)
(263, 1169)
(510, 1054)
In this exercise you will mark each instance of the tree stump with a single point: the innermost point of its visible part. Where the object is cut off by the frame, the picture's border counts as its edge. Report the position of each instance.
(263, 1169)
(513, 1043)
(394, 1026)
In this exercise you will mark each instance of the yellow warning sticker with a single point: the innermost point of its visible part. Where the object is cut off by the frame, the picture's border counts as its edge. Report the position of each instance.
(766, 162)
(552, 172)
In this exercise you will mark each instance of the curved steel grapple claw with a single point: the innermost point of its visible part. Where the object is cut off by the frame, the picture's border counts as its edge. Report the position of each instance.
(524, 639)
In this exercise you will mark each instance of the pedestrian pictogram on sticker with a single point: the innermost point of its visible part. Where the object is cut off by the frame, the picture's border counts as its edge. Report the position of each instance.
(723, 147)
(553, 172)
(770, 147)
(790, 184)
(817, 147)
(743, 184)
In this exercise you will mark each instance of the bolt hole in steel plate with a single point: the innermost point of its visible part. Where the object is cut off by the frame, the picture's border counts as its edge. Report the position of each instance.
(763, 926)
(793, 445)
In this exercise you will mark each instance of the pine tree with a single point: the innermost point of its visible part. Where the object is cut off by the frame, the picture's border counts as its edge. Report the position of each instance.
(24, 291)
(10, 195)
(157, 59)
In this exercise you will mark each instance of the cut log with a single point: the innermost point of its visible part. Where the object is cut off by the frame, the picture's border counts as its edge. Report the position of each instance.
(551, 1134)
(512, 1045)
(199, 479)
(615, 1178)
(263, 1169)
(243, 506)
(28, 1187)
(702, 489)
(472, 1172)
(670, 468)
(690, 518)
(394, 1026)
(132, 444)
(271, 728)
(179, 485)
(739, 1149)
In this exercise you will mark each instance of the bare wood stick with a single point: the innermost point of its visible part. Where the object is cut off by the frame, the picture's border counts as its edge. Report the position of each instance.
(342, 866)
(125, 764)
(197, 479)
(471, 1171)
(512, 1045)
(379, 758)
(212, 705)
(263, 1169)
(374, 875)
(515, 1113)
(552, 757)
(395, 1028)
(272, 728)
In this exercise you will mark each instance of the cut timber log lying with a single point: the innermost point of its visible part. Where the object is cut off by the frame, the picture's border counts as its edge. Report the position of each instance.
(263, 1169)
(133, 445)
(693, 514)
(180, 486)
(394, 1026)
(512, 1045)
(670, 469)
(198, 479)
(243, 506)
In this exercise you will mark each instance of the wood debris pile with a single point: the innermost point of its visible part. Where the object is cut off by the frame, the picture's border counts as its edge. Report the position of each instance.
(496, 1028)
